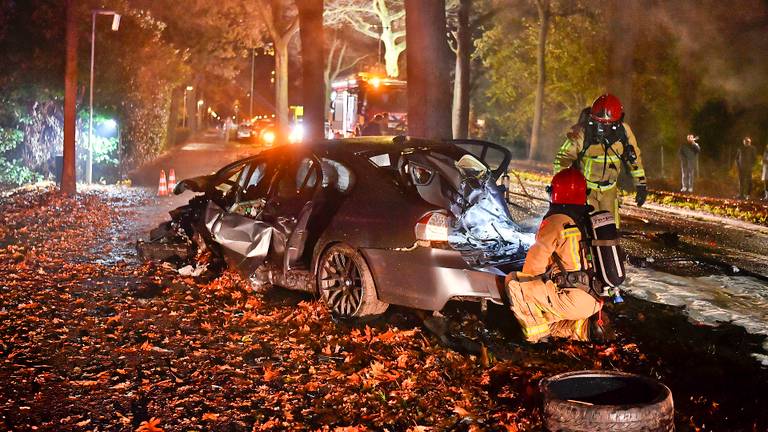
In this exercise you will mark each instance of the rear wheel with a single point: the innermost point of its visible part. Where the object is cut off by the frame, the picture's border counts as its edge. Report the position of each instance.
(346, 284)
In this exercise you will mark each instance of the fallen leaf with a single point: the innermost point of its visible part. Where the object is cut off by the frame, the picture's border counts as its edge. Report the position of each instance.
(150, 426)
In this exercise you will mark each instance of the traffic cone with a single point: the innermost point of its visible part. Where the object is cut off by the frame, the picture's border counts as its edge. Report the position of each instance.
(162, 189)
(171, 181)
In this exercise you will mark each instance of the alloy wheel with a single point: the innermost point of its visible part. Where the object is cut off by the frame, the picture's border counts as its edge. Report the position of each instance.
(341, 283)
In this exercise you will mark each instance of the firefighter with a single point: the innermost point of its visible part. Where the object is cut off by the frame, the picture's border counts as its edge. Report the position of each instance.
(600, 144)
(552, 295)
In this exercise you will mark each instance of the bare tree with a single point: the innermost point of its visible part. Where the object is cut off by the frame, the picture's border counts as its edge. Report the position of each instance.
(68, 181)
(282, 24)
(339, 58)
(379, 19)
(313, 68)
(546, 9)
(429, 100)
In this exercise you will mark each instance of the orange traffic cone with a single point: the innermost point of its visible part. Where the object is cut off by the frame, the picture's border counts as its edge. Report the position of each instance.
(162, 189)
(171, 181)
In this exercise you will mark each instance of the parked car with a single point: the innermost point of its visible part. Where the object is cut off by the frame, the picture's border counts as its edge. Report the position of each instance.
(244, 131)
(363, 222)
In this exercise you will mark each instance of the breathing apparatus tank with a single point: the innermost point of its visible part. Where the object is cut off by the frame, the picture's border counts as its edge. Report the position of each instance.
(606, 254)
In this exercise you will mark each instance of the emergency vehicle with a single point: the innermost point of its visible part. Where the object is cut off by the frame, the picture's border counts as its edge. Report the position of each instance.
(357, 99)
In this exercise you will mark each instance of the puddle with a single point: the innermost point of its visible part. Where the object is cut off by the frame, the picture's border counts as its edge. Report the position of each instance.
(711, 299)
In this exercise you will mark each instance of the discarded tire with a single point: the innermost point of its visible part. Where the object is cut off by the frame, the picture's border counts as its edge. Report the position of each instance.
(597, 401)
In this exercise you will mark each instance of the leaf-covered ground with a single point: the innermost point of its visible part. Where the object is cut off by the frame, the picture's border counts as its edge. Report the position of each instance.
(92, 339)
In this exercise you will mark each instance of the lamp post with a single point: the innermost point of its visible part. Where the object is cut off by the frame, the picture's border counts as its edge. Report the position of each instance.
(115, 26)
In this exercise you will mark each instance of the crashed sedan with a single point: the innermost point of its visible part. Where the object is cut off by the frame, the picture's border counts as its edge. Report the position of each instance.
(363, 222)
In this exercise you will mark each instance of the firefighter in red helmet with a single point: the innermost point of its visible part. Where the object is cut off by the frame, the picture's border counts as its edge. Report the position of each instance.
(552, 295)
(601, 144)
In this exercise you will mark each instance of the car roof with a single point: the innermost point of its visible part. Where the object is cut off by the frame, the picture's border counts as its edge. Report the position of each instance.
(350, 147)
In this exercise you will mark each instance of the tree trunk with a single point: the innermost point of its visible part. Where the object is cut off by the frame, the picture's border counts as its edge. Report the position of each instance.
(313, 67)
(173, 117)
(460, 120)
(68, 181)
(538, 109)
(429, 96)
(281, 87)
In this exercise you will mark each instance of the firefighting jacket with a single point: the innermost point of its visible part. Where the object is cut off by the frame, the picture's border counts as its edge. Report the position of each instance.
(600, 164)
(557, 234)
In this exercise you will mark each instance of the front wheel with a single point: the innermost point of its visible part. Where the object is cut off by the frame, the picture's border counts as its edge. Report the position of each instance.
(346, 284)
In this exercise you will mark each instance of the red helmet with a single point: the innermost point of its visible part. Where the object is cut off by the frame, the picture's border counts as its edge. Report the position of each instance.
(569, 187)
(606, 109)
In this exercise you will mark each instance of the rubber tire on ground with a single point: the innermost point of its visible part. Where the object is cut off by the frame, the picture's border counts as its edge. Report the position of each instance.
(370, 305)
(569, 416)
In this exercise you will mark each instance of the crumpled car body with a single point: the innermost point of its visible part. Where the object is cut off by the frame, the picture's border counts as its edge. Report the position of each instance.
(337, 214)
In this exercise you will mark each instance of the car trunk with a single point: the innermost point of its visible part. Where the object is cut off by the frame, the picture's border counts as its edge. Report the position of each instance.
(480, 226)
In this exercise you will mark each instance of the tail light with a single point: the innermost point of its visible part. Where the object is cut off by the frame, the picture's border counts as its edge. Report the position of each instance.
(433, 227)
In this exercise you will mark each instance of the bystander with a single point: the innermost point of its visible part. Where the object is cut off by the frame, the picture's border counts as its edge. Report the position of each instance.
(689, 155)
(745, 160)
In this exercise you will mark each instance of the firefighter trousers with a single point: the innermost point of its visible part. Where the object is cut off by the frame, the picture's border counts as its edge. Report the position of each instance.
(544, 310)
(605, 199)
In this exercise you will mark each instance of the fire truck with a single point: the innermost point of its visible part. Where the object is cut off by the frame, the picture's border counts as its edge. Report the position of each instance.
(357, 99)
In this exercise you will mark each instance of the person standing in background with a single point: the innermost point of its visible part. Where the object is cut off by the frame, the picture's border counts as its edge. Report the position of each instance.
(745, 160)
(689, 154)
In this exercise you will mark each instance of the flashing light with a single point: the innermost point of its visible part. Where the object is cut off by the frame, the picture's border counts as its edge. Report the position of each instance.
(273, 116)
(190, 88)
(269, 137)
(297, 134)
(376, 82)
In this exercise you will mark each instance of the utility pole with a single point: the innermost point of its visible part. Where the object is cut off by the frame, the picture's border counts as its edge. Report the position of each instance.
(68, 183)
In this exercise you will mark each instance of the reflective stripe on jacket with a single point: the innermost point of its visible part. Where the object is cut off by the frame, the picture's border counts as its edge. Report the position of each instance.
(600, 167)
(557, 233)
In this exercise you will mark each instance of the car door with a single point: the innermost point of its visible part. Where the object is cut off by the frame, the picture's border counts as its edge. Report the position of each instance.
(235, 223)
(290, 206)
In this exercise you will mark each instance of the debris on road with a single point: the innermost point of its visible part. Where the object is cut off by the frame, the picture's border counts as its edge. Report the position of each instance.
(120, 344)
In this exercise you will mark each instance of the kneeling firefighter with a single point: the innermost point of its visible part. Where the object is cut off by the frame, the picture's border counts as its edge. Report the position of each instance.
(574, 261)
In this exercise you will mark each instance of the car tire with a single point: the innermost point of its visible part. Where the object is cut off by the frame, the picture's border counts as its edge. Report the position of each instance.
(345, 283)
(640, 404)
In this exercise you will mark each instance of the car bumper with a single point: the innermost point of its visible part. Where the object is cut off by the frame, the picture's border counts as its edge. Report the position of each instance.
(427, 278)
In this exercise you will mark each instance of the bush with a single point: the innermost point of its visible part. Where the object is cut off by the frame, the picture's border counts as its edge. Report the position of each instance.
(13, 171)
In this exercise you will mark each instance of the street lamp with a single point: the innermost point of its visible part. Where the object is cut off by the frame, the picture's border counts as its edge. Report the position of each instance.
(115, 26)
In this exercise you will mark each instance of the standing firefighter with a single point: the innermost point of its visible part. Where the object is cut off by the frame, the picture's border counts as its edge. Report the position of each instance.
(599, 145)
(556, 292)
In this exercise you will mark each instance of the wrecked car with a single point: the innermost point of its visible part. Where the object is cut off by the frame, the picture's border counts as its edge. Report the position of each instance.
(362, 222)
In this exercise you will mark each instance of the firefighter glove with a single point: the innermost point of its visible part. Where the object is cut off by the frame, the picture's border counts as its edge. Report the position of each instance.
(640, 194)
